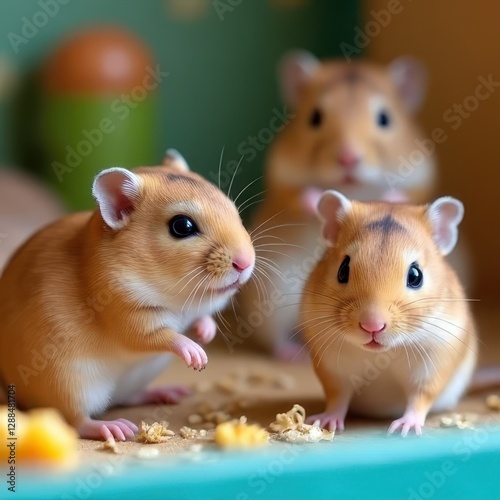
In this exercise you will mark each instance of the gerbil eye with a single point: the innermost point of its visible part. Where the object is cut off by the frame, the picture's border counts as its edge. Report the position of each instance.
(415, 276)
(182, 226)
(316, 118)
(383, 119)
(343, 274)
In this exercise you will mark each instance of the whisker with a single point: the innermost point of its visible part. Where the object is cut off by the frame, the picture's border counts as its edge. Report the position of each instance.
(246, 187)
(232, 178)
(220, 162)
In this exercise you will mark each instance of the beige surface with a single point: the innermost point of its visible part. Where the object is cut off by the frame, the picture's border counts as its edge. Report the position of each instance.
(264, 399)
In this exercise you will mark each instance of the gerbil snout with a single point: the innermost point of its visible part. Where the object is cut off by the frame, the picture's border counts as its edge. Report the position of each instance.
(230, 269)
(373, 324)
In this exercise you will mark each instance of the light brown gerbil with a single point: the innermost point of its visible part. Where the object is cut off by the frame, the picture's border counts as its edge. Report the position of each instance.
(91, 306)
(355, 131)
(383, 314)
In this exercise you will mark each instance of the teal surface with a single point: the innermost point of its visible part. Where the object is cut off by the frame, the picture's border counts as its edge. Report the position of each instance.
(442, 464)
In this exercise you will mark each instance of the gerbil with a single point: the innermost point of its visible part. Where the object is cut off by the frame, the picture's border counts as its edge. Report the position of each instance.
(91, 306)
(384, 316)
(354, 130)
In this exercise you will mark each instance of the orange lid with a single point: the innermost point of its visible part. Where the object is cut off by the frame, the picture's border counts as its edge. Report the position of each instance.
(98, 60)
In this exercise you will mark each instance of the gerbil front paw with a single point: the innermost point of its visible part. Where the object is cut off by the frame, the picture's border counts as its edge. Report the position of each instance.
(291, 352)
(120, 429)
(310, 199)
(410, 420)
(190, 352)
(205, 329)
(394, 196)
(333, 421)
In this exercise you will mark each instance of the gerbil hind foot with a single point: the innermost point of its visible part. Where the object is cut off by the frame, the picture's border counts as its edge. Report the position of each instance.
(331, 420)
(119, 429)
(410, 420)
(170, 394)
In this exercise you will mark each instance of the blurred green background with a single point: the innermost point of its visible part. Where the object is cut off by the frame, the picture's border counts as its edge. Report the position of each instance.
(221, 57)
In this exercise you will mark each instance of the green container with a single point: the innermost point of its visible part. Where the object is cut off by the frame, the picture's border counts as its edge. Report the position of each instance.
(85, 135)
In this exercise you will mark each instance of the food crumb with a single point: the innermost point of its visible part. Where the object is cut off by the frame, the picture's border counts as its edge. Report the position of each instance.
(158, 432)
(148, 453)
(195, 419)
(459, 420)
(110, 445)
(291, 427)
(239, 434)
(493, 402)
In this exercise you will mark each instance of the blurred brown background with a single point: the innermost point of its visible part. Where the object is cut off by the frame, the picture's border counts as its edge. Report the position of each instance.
(459, 43)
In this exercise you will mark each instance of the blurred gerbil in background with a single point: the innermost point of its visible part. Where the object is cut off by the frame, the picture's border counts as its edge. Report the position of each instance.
(353, 130)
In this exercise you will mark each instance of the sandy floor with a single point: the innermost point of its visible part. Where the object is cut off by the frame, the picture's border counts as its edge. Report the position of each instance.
(280, 386)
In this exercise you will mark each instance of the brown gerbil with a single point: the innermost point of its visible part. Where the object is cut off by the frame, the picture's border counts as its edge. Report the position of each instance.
(384, 296)
(91, 305)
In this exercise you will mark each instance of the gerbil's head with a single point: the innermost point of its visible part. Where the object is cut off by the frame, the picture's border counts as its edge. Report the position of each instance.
(172, 238)
(354, 128)
(386, 280)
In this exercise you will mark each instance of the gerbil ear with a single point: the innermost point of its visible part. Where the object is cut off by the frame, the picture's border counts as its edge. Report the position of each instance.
(445, 215)
(332, 209)
(410, 77)
(116, 191)
(294, 70)
(173, 159)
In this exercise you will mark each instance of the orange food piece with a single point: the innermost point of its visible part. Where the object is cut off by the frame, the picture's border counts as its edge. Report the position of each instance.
(42, 436)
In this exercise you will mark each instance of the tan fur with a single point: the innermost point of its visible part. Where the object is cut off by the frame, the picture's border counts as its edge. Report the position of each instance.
(82, 304)
(430, 336)
(302, 157)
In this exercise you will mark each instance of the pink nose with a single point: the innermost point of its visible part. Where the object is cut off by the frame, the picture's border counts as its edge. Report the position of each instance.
(242, 262)
(372, 326)
(348, 158)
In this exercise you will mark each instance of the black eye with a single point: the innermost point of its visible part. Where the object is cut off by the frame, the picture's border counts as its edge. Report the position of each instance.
(415, 276)
(316, 118)
(343, 274)
(182, 226)
(383, 119)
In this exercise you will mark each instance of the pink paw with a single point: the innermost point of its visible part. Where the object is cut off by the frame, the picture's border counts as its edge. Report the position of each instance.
(205, 329)
(410, 420)
(193, 354)
(171, 394)
(333, 421)
(291, 352)
(394, 196)
(310, 199)
(119, 429)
